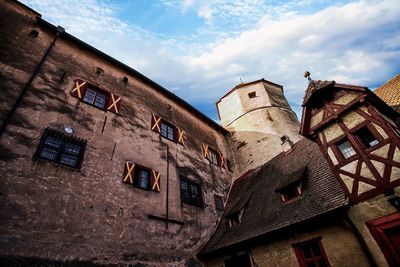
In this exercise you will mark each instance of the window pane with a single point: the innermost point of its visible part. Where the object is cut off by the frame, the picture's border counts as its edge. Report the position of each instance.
(72, 149)
(346, 149)
(170, 133)
(306, 252)
(90, 94)
(190, 192)
(311, 264)
(100, 100)
(322, 263)
(366, 137)
(49, 153)
(315, 249)
(69, 160)
(144, 179)
(53, 142)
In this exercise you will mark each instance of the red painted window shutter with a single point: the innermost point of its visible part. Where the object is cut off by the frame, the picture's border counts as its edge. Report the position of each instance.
(114, 103)
(204, 149)
(79, 89)
(180, 136)
(221, 160)
(155, 181)
(155, 123)
(128, 172)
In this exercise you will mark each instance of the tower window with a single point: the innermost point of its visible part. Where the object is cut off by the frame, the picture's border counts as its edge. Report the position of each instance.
(95, 97)
(366, 137)
(346, 149)
(60, 148)
(252, 94)
(191, 192)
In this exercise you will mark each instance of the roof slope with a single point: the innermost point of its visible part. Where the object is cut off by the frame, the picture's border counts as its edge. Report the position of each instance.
(264, 210)
(390, 92)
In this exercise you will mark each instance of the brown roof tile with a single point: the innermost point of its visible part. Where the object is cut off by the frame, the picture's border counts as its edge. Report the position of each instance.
(390, 92)
(264, 210)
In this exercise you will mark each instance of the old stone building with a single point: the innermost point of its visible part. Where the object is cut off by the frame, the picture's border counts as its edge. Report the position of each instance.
(100, 165)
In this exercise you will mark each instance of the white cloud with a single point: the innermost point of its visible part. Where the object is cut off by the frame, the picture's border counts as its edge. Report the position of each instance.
(355, 43)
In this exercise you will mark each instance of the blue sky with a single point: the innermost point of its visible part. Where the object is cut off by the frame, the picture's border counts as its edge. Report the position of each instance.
(199, 49)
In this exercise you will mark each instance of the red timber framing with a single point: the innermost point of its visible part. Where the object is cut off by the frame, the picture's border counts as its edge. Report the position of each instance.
(386, 231)
(364, 157)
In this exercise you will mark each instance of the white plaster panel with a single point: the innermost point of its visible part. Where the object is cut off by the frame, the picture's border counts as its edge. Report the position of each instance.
(379, 166)
(345, 99)
(348, 181)
(382, 151)
(381, 131)
(352, 119)
(395, 175)
(364, 187)
(332, 156)
(350, 167)
(366, 172)
(333, 131)
(317, 118)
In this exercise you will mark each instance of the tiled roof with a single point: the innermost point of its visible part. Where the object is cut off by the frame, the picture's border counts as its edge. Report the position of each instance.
(314, 86)
(390, 92)
(264, 210)
(317, 86)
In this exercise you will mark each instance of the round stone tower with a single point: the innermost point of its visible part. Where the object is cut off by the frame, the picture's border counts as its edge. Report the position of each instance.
(257, 115)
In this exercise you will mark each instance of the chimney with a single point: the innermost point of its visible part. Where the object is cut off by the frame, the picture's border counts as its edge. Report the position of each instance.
(286, 144)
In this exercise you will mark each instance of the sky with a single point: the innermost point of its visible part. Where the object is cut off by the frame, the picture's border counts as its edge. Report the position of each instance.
(200, 49)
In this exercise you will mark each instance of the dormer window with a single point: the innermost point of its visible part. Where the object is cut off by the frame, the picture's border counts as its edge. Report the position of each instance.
(366, 137)
(291, 192)
(235, 217)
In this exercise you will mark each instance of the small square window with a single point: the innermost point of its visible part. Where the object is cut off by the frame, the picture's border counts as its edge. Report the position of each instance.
(219, 202)
(95, 97)
(191, 192)
(61, 148)
(346, 149)
(366, 137)
(311, 253)
(252, 94)
(290, 192)
(141, 178)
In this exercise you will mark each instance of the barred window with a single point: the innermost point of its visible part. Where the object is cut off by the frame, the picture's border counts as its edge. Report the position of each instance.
(191, 192)
(61, 148)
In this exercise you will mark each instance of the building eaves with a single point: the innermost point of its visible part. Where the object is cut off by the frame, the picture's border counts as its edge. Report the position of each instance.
(135, 73)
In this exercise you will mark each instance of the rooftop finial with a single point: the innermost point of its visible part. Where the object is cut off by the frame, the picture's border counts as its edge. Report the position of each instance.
(241, 80)
(307, 75)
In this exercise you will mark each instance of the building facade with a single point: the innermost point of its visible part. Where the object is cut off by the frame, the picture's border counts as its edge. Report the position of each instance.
(100, 165)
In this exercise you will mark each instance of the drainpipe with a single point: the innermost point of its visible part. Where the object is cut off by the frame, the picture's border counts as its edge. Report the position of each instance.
(17, 103)
(360, 239)
(167, 197)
